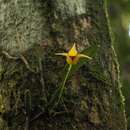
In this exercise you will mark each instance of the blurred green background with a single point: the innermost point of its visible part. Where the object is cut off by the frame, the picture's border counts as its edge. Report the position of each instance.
(119, 14)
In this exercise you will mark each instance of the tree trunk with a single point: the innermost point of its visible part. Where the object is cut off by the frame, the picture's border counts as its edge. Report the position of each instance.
(31, 33)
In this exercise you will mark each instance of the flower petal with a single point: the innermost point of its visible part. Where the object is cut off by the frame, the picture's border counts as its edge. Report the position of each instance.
(61, 54)
(73, 51)
(85, 56)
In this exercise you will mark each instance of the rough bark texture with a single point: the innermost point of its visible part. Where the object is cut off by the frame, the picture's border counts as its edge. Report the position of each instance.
(31, 32)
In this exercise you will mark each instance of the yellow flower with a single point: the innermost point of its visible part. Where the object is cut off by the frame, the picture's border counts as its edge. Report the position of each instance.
(72, 57)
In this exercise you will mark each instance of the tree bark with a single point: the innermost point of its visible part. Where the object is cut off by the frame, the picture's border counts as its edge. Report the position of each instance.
(31, 33)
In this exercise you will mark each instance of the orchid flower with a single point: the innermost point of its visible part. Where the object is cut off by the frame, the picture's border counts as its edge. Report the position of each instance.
(72, 56)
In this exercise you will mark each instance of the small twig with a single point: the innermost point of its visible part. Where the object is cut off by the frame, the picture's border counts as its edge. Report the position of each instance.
(18, 57)
(26, 63)
(65, 107)
(42, 79)
(59, 113)
(37, 116)
(62, 112)
(9, 56)
(21, 48)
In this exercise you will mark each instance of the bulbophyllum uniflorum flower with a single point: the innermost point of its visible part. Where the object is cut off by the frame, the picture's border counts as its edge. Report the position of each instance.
(72, 57)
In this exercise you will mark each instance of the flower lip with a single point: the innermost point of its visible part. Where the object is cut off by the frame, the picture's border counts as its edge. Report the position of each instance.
(72, 57)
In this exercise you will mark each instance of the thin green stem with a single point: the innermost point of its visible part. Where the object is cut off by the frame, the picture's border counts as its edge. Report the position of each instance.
(62, 87)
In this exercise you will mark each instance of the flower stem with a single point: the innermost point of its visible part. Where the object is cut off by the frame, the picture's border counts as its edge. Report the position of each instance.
(62, 87)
